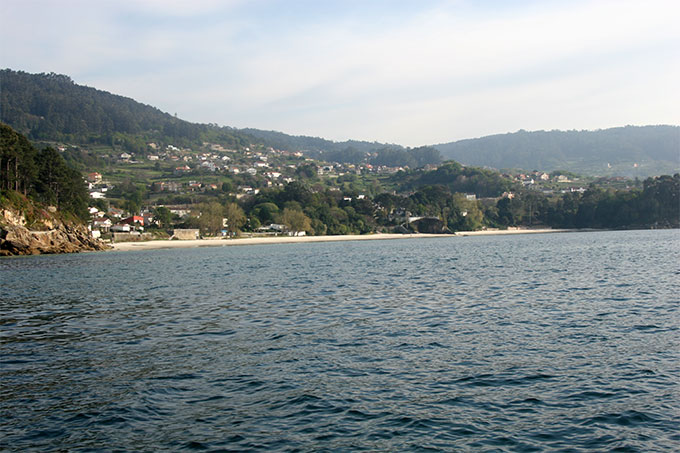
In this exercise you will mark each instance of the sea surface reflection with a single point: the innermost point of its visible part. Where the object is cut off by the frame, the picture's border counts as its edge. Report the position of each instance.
(508, 343)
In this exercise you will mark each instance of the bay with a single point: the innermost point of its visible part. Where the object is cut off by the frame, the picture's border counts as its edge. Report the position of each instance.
(502, 343)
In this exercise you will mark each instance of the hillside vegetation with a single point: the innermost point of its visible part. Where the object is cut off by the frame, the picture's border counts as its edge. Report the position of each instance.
(43, 201)
(51, 107)
(42, 175)
(623, 151)
(225, 181)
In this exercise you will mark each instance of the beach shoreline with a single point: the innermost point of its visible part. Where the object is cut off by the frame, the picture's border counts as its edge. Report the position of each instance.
(220, 242)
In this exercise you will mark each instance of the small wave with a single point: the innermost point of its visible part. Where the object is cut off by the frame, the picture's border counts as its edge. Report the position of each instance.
(304, 399)
(414, 423)
(436, 344)
(646, 327)
(359, 415)
(219, 333)
(207, 400)
(18, 361)
(45, 434)
(113, 420)
(177, 377)
(628, 418)
(531, 401)
(490, 380)
(80, 418)
(455, 401)
(193, 445)
(590, 395)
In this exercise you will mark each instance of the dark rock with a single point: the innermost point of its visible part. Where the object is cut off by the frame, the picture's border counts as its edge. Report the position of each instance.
(16, 239)
(430, 225)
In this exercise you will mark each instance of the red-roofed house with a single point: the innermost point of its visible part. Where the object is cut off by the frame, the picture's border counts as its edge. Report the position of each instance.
(94, 177)
(133, 220)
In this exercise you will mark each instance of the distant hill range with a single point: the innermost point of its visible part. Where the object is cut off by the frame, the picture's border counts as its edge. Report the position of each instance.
(622, 151)
(51, 107)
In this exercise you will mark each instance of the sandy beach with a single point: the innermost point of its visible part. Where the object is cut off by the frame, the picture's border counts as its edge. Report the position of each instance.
(512, 231)
(219, 242)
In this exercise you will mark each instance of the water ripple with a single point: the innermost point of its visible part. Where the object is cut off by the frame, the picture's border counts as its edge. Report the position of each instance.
(495, 344)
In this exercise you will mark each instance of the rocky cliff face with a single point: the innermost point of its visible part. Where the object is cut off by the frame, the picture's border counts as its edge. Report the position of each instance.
(54, 236)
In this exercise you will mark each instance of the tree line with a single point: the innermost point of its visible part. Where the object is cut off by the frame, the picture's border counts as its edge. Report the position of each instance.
(331, 212)
(656, 204)
(438, 194)
(42, 175)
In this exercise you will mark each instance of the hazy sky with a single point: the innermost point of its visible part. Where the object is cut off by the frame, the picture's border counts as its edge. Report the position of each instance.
(408, 72)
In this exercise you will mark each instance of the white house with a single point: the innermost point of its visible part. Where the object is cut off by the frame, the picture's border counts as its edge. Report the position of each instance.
(121, 228)
(101, 224)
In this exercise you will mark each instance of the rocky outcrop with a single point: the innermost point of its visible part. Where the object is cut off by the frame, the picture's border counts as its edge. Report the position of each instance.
(429, 225)
(57, 237)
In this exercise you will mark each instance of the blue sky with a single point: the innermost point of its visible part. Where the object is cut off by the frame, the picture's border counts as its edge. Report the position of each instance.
(407, 72)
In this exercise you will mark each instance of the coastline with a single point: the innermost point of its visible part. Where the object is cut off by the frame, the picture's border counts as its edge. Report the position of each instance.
(515, 231)
(219, 242)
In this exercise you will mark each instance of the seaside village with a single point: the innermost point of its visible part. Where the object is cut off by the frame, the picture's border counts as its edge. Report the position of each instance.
(186, 174)
(196, 173)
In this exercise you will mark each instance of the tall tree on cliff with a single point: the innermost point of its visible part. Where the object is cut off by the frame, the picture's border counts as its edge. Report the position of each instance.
(59, 184)
(17, 161)
(42, 175)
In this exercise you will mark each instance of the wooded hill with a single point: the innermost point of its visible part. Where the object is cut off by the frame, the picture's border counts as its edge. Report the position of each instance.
(608, 152)
(51, 107)
(305, 205)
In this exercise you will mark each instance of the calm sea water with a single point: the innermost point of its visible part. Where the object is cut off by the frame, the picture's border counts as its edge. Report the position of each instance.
(509, 343)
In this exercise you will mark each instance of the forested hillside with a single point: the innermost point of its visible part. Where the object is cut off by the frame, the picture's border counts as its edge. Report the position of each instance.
(353, 187)
(42, 175)
(456, 179)
(312, 144)
(624, 151)
(351, 151)
(51, 107)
